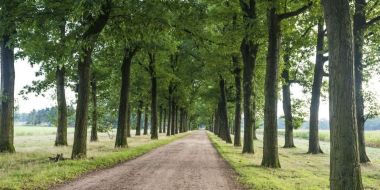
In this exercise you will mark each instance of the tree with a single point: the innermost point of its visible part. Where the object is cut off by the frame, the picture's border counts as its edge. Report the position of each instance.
(344, 157)
(249, 50)
(94, 128)
(7, 58)
(270, 150)
(121, 135)
(319, 73)
(95, 26)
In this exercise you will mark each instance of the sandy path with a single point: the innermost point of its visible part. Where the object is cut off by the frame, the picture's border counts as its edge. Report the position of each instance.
(188, 163)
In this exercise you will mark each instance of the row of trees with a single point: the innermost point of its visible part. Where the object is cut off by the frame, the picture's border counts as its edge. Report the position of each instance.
(295, 32)
(100, 49)
(197, 62)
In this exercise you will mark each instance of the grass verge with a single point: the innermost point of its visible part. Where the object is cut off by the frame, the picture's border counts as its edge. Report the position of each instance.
(31, 171)
(299, 171)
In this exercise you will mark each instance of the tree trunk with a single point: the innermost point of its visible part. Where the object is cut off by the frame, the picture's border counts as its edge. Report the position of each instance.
(7, 100)
(90, 35)
(80, 135)
(270, 149)
(176, 119)
(237, 72)
(223, 111)
(61, 136)
(129, 120)
(287, 104)
(164, 124)
(344, 157)
(139, 118)
(314, 147)
(216, 121)
(153, 123)
(146, 120)
(122, 124)
(172, 127)
(359, 30)
(249, 51)
(168, 129)
(161, 124)
(94, 128)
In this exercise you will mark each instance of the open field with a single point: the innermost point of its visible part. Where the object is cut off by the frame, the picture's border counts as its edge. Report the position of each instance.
(372, 138)
(30, 167)
(299, 170)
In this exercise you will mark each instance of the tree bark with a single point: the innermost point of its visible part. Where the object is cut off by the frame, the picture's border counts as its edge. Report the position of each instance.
(161, 119)
(139, 116)
(153, 123)
(223, 112)
(94, 128)
(359, 30)
(173, 122)
(122, 125)
(176, 119)
(249, 51)
(61, 136)
(344, 157)
(164, 124)
(146, 121)
(129, 120)
(270, 150)
(287, 104)
(168, 130)
(91, 34)
(7, 100)
(314, 147)
(237, 123)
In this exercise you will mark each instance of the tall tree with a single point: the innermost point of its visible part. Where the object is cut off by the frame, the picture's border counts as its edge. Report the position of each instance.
(88, 38)
(153, 78)
(344, 157)
(146, 116)
(249, 49)
(360, 26)
(121, 134)
(139, 117)
(94, 128)
(270, 150)
(314, 147)
(7, 80)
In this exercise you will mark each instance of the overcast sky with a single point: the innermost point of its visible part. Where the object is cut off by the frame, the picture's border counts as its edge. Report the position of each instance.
(25, 74)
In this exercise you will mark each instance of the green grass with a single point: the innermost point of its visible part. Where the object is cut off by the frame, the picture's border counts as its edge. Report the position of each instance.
(372, 138)
(30, 167)
(299, 170)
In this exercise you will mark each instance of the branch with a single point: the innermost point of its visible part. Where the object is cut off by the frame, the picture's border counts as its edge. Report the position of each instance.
(296, 12)
(372, 21)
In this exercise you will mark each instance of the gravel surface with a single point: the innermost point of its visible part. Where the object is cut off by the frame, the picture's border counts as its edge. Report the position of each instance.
(188, 163)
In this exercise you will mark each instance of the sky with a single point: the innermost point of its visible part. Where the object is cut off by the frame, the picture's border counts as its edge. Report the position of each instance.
(25, 74)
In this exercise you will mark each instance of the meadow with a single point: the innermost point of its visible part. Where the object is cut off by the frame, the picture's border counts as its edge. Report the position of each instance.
(372, 138)
(30, 167)
(299, 171)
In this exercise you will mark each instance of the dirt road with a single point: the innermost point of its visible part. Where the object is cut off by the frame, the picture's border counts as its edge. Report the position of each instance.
(189, 163)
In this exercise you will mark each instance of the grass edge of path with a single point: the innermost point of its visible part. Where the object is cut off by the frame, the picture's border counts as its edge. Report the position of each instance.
(57, 173)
